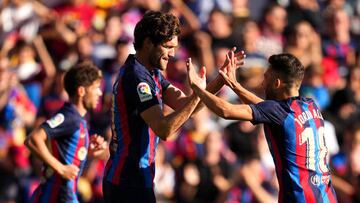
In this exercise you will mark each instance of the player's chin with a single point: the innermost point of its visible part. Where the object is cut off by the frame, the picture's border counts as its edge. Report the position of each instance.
(163, 67)
(163, 64)
(92, 105)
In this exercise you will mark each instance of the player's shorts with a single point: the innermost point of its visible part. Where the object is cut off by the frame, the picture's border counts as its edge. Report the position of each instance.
(114, 193)
(54, 194)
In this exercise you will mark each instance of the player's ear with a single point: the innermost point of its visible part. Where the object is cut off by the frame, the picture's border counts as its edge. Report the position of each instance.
(81, 91)
(147, 43)
(277, 83)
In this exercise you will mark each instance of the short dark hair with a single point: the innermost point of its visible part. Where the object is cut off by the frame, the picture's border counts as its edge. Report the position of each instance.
(157, 26)
(290, 69)
(82, 74)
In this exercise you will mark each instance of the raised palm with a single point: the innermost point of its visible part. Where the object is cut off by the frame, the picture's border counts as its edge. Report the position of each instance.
(195, 78)
(232, 62)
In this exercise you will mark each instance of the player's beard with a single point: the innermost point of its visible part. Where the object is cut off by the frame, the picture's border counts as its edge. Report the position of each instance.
(87, 105)
(90, 103)
(157, 61)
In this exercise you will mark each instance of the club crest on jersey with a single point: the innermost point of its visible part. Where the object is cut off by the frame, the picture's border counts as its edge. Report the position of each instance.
(56, 120)
(144, 92)
(82, 153)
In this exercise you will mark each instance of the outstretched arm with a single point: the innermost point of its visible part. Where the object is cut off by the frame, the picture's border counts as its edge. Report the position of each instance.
(36, 142)
(231, 64)
(164, 126)
(175, 98)
(229, 76)
(223, 108)
(219, 106)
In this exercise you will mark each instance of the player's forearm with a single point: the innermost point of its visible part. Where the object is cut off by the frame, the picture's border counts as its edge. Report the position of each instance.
(214, 103)
(172, 122)
(38, 147)
(213, 87)
(245, 95)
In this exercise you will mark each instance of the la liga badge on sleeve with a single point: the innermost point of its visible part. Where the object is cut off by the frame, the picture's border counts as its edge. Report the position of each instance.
(144, 92)
(56, 120)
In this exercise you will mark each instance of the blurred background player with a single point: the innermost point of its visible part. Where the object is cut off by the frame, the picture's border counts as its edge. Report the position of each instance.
(62, 142)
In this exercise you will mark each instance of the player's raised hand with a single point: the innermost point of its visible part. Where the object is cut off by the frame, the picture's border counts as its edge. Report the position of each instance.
(239, 59)
(195, 78)
(69, 172)
(229, 73)
(232, 63)
(98, 145)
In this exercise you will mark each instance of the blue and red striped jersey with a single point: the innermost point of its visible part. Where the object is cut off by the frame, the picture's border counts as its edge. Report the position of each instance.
(133, 144)
(68, 142)
(294, 130)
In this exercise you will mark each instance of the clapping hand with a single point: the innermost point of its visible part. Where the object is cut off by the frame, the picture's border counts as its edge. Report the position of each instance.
(232, 62)
(238, 56)
(194, 78)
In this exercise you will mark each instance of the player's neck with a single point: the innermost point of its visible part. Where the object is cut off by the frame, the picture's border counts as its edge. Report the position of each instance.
(79, 106)
(287, 95)
(81, 109)
(142, 57)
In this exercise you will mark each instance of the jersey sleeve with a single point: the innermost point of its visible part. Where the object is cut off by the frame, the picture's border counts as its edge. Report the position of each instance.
(164, 83)
(60, 125)
(269, 112)
(144, 88)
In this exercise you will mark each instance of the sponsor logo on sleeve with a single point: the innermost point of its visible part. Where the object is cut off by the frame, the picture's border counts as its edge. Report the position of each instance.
(56, 120)
(144, 92)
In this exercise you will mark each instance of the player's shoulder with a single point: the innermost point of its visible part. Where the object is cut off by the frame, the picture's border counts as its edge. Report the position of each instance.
(279, 108)
(69, 110)
(136, 73)
(66, 116)
(275, 107)
(300, 99)
(270, 103)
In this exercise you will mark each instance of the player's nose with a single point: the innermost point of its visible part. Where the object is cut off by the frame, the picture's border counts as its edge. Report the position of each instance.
(171, 52)
(100, 93)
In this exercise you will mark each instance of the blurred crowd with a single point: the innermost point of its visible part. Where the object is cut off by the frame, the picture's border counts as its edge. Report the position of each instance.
(210, 159)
